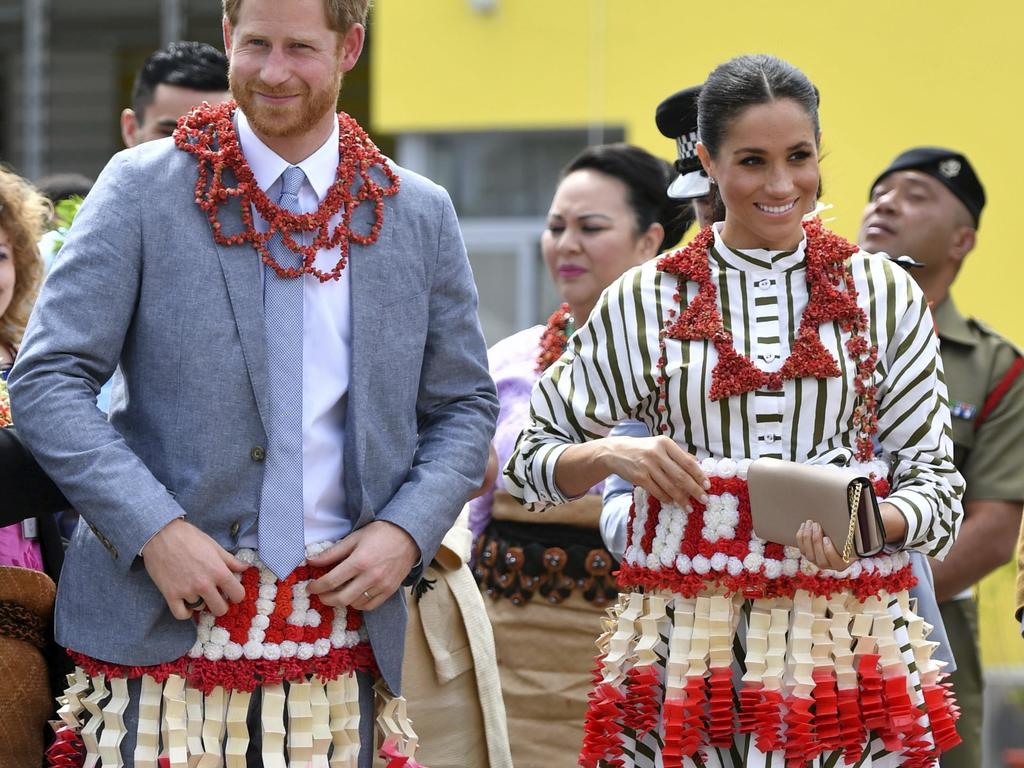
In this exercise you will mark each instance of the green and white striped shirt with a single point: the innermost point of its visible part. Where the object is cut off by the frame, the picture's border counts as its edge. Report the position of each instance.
(608, 374)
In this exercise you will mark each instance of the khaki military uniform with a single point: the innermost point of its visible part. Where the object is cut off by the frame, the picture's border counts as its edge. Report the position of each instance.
(986, 401)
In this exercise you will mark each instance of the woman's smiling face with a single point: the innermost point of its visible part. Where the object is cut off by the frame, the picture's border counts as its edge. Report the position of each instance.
(767, 174)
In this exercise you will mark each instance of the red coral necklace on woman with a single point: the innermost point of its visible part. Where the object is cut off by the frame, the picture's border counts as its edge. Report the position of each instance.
(208, 133)
(826, 255)
(555, 337)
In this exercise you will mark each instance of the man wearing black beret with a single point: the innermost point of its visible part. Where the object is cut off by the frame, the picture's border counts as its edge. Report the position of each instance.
(926, 206)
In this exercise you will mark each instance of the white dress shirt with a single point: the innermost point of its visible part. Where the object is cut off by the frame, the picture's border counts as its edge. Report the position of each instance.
(327, 343)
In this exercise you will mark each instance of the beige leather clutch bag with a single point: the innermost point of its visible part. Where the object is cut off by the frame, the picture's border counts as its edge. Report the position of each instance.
(785, 494)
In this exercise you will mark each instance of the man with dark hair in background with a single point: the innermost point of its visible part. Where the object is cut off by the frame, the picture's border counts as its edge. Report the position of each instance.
(171, 82)
(927, 206)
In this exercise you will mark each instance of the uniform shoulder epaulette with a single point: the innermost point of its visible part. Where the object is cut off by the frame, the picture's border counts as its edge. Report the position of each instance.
(988, 330)
(1008, 378)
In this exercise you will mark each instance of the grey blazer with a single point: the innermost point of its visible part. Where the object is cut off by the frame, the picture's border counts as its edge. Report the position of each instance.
(141, 287)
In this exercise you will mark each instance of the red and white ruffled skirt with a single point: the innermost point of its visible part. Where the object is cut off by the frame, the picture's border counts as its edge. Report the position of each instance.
(725, 650)
(280, 643)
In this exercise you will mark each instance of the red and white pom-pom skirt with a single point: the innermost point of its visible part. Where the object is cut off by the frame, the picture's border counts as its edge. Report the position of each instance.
(281, 643)
(725, 650)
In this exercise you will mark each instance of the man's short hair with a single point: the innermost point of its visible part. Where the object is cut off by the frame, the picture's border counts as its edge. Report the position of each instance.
(186, 64)
(341, 14)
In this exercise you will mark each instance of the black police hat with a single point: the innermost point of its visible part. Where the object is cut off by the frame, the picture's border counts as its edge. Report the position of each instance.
(676, 118)
(950, 168)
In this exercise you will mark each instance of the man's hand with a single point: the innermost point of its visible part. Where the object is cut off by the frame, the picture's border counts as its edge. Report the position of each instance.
(188, 566)
(369, 566)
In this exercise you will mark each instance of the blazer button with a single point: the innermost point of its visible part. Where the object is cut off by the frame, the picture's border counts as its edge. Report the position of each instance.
(235, 527)
(258, 453)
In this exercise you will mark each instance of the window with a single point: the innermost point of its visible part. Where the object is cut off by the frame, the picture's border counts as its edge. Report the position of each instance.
(501, 183)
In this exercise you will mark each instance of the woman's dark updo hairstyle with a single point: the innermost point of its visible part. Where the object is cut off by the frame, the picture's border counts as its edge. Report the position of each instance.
(747, 81)
(647, 179)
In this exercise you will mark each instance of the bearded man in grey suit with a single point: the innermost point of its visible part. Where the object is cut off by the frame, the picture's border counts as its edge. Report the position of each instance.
(288, 442)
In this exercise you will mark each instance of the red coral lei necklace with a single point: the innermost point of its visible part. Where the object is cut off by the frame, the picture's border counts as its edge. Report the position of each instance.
(208, 133)
(825, 255)
(555, 337)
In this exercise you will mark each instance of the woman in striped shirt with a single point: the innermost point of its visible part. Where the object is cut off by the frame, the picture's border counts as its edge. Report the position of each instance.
(766, 336)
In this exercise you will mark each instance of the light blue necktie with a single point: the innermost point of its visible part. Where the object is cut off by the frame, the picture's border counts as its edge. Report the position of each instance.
(282, 545)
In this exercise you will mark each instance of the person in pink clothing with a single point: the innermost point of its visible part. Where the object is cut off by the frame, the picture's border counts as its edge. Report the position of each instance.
(26, 591)
(23, 213)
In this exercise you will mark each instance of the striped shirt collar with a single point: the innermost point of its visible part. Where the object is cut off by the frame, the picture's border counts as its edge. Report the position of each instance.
(757, 259)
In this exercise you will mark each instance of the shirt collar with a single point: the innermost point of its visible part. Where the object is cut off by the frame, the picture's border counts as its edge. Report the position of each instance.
(952, 326)
(755, 259)
(267, 166)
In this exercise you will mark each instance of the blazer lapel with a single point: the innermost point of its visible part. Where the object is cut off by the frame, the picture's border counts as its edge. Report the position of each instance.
(365, 265)
(362, 348)
(242, 271)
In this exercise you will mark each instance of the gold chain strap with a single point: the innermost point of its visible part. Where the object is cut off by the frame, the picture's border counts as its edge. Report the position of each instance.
(855, 493)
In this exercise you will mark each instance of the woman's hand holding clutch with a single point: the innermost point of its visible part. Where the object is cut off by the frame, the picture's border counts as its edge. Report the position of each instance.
(820, 550)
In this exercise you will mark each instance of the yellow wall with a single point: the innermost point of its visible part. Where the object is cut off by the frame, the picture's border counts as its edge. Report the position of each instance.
(893, 74)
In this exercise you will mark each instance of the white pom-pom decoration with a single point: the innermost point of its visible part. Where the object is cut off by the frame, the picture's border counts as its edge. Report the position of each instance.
(253, 650)
(246, 556)
(268, 591)
(265, 607)
(219, 636)
(322, 647)
(233, 651)
(271, 651)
